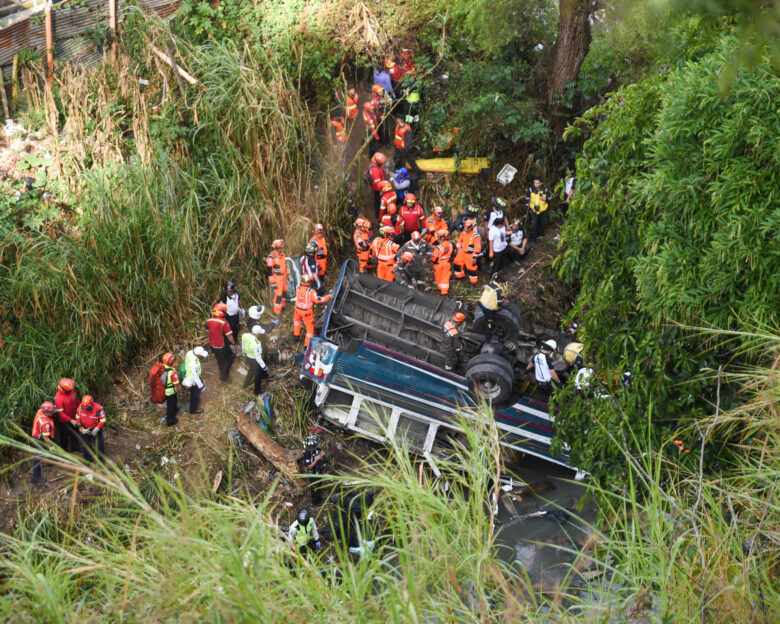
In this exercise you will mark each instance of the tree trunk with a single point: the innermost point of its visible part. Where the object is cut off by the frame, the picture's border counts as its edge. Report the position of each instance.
(285, 460)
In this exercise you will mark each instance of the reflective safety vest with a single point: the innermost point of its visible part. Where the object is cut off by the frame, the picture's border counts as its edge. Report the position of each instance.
(303, 533)
(401, 129)
(492, 295)
(352, 107)
(248, 343)
(306, 297)
(451, 329)
(43, 426)
(442, 252)
(192, 365)
(322, 246)
(384, 249)
(360, 238)
(472, 241)
(169, 379)
(277, 262)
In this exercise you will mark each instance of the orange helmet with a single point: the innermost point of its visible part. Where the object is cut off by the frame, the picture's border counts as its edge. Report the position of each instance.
(66, 385)
(392, 209)
(278, 244)
(168, 359)
(407, 256)
(387, 230)
(458, 317)
(368, 107)
(438, 211)
(318, 229)
(47, 407)
(468, 225)
(386, 186)
(442, 234)
(378, 158)
(220, 309)
(416, 236)
(360, 223)
(87, 402)
(306, 280)
(377, 89)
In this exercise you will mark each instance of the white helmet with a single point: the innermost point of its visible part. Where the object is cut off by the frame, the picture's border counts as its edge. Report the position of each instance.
(200, 352)
(255, 312)
(550, 344)
(257, 330)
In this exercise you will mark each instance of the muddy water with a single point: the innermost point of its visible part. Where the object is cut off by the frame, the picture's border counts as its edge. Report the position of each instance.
(539, 545)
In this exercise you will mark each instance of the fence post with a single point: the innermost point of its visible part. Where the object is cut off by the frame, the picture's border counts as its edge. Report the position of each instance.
(49, 45)
(112, 26)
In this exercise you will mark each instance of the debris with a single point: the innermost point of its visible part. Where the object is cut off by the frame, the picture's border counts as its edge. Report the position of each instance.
(506, 175)
(217, 481)
(285, 460)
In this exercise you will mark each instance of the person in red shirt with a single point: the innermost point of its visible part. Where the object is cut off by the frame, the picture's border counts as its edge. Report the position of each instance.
(91, 418)
(389, 198)
(43, 432)
(67, 402)
(412, 215)
(220, 339)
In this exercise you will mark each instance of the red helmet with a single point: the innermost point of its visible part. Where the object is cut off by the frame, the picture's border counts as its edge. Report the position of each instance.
(169, 358)
(438, 210)
(378, 158)
(47, 407)
(411, 198)
(278, 244)
(368, 107)
(415, 236)
(442, 233)
(220, 309)
(458, 317)
(87, 402)
(407, 256)
(386, 186)
(66, 385)
(318, 228)
(377, 89)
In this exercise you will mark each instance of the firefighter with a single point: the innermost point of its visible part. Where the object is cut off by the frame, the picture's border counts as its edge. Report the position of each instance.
(257, 369)
(383, 249)
(67, 402)
(492, 299)
(537, 200)
(404, 147)
(91, 418)
(371, 124)
(340, 126)
(393, 220)
(544, 371)
(362, 240)
(469, 212)
(322, 249)
(389, 198)
(452, 345)
(192, 380)
(396, 72)
(376, 178)
(276, 269)
(303, 533)
(469, 245)
(43, 433)
(316, 463)
(421, 251)
(171, 383)
(412, 215)
(305, 299)
(442, 261)
(352, 104)
(220, 339)
(309, 266)
(433, 224)
(403, 272)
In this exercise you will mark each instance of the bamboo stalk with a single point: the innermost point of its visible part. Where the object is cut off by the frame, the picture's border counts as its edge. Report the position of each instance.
(15, 81)
(49, 45)
(112, 26)
(5, 99)
(172, 63)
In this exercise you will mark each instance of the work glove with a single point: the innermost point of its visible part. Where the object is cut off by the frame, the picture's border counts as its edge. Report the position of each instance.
(318, 544)
(94, 431)
(410, 285)
(203, 388)
(74, 422)
(243, 312)
(82, 430)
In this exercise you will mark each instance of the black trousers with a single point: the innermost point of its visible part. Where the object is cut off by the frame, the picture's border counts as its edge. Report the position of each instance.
(377, 202)
(93, 445)
(225, 357)
(171, 409)
(403, 156)
(194, 398)
(254, 374)
(490, 318)
(538, 223)
(513, 255)
(498, 261)
(233, 323)
(66, 437)
(36, 469)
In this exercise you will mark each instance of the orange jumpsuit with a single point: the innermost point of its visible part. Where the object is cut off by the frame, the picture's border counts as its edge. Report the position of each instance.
(433, 225)
(442, 265)
(469, 244)
(276, 266)
(322, 253)
(388, 199)
(305, 299)
(383, 249)
(362, 242)
(352, 106)
(341, 129)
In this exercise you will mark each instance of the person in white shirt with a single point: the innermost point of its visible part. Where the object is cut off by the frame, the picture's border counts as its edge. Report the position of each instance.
(497, 206)
(192, 378)
(232, 300)
(497, 241)
(517, 243)
(544, 372)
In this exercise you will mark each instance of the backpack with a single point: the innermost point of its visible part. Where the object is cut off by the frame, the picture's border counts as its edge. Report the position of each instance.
(156, 388)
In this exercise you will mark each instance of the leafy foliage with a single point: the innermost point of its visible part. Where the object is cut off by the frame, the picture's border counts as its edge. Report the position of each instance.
(674, 221)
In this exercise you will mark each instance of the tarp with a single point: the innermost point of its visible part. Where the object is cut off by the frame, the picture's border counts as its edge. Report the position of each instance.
(447, 165)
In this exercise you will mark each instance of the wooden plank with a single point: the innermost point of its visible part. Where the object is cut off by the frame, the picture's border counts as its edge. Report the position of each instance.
(285, 460)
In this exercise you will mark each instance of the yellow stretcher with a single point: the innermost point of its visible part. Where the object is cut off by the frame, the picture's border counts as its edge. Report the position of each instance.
(447, 165)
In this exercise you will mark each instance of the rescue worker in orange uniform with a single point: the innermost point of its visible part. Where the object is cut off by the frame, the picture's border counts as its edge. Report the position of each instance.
(404, 147)
(362, 240)
(43, 432)
(433, 224)
(276, 269)
(91, 418)
(352, 104)
(340, 125)
(305, 299)
(383, 249)
(452, 344)
(67, 402)
(322, 248)
(389, 198)
(442, 261)
(394, 220)
(376, 178)
(469, 245)
(412, 214)
(371, 123)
